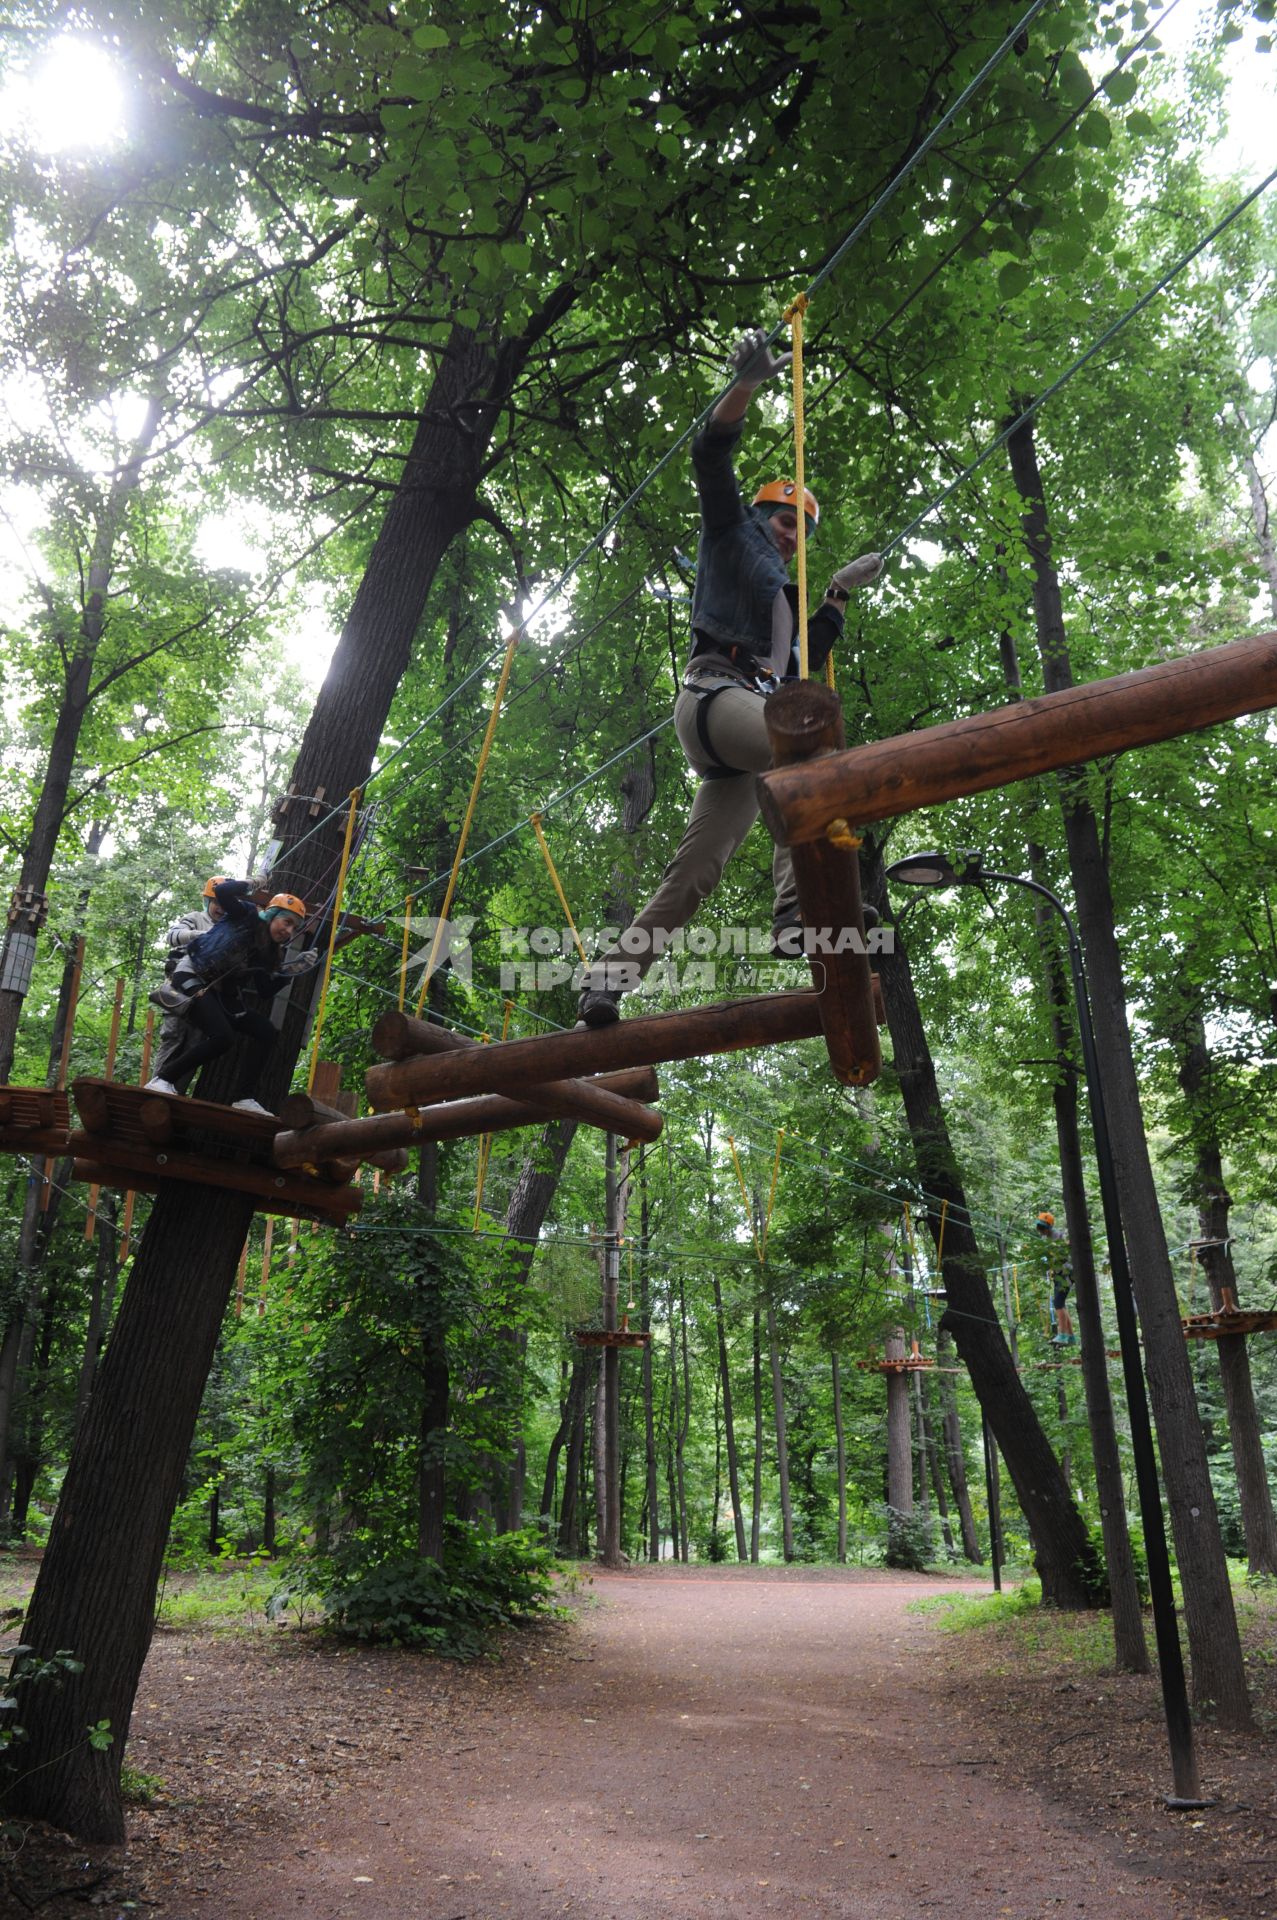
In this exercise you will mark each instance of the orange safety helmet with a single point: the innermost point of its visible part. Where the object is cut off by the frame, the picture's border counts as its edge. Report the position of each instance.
(784, 493)
(211, 885)
(287, 903)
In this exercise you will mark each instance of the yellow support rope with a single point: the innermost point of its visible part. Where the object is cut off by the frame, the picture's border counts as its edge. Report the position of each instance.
(535, 818)
(794, 315)
(744, 1194)
(479, 772)
(332, 937)
(403, 958)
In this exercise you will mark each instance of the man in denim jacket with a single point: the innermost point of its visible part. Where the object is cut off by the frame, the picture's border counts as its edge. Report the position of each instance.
(744, 645)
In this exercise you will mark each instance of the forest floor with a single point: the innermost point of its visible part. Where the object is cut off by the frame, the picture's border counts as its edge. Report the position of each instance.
(691, 1741)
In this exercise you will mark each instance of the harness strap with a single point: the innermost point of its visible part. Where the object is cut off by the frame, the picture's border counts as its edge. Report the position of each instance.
(720, 769)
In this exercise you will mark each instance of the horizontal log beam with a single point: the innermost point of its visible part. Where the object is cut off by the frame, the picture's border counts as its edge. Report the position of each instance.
(452, 1120)
(552, 1097)
(897, 776)
(112, 1164)
(515, 1066)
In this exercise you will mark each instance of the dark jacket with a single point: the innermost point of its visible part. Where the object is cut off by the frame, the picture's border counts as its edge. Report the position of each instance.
(738, 570)
(237, 951)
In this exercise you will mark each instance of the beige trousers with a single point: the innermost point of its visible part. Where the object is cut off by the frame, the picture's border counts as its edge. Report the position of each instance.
(723, 812)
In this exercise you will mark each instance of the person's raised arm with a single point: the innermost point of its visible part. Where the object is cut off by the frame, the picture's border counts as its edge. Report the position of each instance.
(754, 364)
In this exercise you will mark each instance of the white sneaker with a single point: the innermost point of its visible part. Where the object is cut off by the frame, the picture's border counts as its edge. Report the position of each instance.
(251, 1106)
(161, 1086)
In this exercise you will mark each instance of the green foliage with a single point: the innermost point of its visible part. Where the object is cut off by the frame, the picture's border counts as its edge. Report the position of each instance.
(28, 1670)
(911, 1540)
(485, 1584)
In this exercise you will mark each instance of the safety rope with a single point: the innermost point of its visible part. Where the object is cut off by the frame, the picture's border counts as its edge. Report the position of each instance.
(403, 957)
(484, 752)
(332, 939)
(794, 314)
(535, 818)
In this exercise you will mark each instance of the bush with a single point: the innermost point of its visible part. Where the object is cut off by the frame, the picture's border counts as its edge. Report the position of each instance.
(486, 1582)
(910, 1540)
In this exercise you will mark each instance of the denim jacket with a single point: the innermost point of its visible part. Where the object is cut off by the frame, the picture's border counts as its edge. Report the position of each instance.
(738, 570)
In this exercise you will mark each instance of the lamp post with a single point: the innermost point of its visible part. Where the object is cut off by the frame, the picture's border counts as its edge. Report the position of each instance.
(935, 870)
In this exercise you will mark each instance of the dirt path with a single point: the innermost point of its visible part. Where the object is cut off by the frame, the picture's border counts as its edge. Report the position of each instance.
(715, 1745)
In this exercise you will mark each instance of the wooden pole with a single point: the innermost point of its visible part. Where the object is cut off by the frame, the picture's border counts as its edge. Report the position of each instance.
(402, 1035)
(266, 1246)
(375, 1136)
(239, 1281)
(518, 1066)
(109, 1074)
(126, 1222)
(804, 721)
(986, 750)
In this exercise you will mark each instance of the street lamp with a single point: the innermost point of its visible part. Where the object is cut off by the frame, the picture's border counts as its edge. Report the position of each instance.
(936, 870)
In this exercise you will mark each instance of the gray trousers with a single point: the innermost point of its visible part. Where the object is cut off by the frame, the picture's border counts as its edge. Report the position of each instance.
(723, 812)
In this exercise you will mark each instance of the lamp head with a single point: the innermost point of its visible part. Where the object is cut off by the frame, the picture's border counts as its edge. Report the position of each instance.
(937, 870)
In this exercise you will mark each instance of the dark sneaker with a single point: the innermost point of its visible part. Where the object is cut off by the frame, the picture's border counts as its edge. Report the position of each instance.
(598, 1007)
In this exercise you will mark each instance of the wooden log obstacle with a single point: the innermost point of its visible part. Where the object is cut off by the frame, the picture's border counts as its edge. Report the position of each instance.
(34, 1120)
(131, 1138)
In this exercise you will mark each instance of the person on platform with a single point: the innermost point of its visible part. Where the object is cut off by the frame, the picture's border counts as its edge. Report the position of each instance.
(244, 949)
(1059, 1268)
(174, 1032)
(744, 646)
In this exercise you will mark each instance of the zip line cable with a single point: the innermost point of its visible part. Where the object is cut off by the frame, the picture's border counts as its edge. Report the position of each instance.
(999, 201)
(840, 252)
(1096, 346)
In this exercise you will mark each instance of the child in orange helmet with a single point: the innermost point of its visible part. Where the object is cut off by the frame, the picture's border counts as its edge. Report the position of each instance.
(246, 947)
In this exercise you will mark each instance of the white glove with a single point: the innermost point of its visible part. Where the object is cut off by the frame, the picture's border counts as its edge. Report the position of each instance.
(857, 573)
(302, 962)
(753, 361)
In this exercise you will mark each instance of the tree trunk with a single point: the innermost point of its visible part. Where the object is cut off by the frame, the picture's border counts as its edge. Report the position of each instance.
(101, 1298)
(77, 694)
(1063, 1555)
(841, 1439)
(610, 1453)
(729, 1430)
(782, 1443)
(96, 1587)
(899, 1436)
(650, 1454)
(955, 1457)
(1129, 1644)
(931, 1457)
(684, 1423)
(1216, 1261)
(1219, 1675)
(755, 1521)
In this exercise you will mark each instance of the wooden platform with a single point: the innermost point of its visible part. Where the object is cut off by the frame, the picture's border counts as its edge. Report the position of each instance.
(131, 1138)
(1227, 1323)
(34, 1120)
(617, 1337)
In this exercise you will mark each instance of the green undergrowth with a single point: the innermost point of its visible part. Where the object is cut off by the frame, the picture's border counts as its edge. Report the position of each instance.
(1017, 1620)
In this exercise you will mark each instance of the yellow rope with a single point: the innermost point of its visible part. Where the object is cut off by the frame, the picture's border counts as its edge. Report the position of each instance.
(332, 938)
(1015, 1289)
(839, 834)
(744, 1194)
(794, 315)
(479, 772)
(535, 818)
(403, 958)
(771, 1197)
